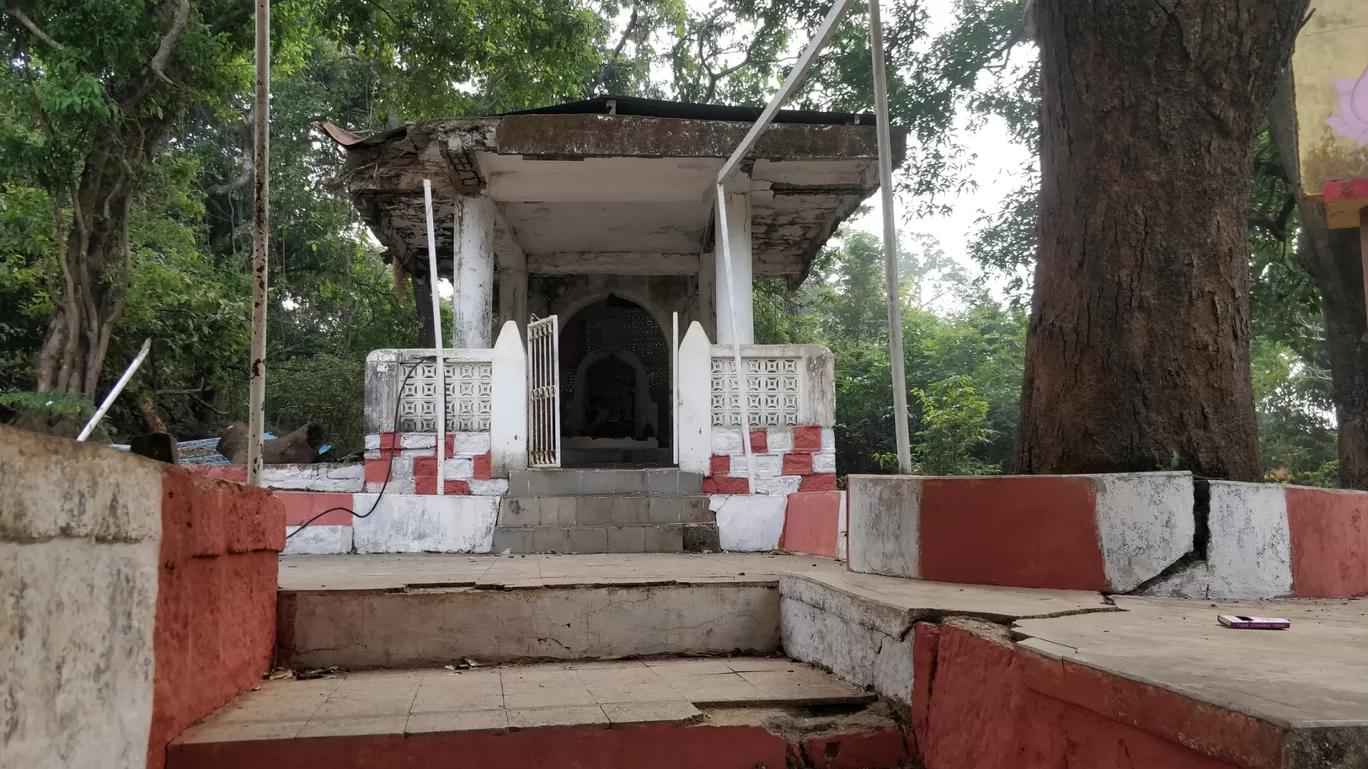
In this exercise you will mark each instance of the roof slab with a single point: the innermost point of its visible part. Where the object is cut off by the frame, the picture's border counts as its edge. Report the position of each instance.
(626, 193)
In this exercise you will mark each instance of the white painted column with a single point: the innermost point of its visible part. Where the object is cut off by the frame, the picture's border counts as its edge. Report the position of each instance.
(513, 297)
(739, 222)
(695, 401)
(508, 404)
(473, 273)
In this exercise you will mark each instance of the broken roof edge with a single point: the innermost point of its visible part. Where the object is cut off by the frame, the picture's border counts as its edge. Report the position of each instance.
(624, 110)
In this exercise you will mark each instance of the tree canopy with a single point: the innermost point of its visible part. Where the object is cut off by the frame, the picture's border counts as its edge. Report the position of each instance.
(125, 144)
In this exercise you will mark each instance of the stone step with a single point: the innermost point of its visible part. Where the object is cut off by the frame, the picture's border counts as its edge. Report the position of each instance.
(623, 538)
(596, 510)
(598, 481)
(621, 606)
(613, 715)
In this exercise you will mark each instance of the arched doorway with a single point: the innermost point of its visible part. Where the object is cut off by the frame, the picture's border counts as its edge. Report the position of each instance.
(615, 387)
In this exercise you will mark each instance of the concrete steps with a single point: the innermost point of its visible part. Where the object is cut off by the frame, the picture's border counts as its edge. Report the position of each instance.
(605, 511)
(723, 713)
(560, 482)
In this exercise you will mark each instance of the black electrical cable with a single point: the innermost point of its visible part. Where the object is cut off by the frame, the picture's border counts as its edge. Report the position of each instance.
(389, 469)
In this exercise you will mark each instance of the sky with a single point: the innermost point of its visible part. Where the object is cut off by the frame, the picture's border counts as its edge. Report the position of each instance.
(996, 168)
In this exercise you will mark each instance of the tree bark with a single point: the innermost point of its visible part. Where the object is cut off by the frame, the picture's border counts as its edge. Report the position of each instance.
(1138, 347)
(95, 260)
(1333, 259)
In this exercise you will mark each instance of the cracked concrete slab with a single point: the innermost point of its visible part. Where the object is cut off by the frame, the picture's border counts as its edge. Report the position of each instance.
(1311, 676)
(859, 625)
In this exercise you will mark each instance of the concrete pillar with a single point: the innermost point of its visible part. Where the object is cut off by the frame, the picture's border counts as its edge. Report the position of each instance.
(739, 223)
(705, 309)
(513, 298)
(695, 401)
(508, 404)
(473, 273)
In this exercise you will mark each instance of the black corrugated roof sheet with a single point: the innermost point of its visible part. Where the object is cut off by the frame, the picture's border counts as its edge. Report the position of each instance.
(632, 105)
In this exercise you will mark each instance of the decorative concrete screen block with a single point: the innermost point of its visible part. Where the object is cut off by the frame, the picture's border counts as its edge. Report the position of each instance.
(1146, 523)
(404, 382)
(318, 540)
(317, 477)
(786, 385)
(1248, 551)
(884, 522)
(423, 523)
(748, 523)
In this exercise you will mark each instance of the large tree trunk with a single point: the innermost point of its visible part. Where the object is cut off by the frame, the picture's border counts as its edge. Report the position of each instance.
(1138, 348)
(1333, 259)
(95, 262)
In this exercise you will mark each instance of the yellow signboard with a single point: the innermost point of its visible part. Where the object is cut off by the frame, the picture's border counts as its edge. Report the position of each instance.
(1330, 75)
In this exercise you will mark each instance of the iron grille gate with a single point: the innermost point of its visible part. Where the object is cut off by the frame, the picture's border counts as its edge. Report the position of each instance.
(543, 392)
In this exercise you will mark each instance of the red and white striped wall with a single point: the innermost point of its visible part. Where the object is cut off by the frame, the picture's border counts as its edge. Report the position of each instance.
(151, 589)
(1151, 533)
(794, 506)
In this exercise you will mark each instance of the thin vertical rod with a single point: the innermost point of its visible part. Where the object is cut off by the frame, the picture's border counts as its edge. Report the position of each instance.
(890, 243)
(433, 281)
(725, 233)
(261, 230)
(674, 388)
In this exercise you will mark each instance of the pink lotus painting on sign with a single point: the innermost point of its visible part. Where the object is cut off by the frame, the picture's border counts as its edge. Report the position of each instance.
(1351, 121)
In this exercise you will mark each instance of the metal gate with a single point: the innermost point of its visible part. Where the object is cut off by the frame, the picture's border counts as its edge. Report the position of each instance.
(543, 392)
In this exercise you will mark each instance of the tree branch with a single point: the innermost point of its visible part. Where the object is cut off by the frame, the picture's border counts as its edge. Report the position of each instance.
(157, 65)
(235, 183)
(171, 41)
(23, 19)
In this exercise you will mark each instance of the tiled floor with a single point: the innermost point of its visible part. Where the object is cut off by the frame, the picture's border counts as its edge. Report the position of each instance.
(516, 697)
(372, 572)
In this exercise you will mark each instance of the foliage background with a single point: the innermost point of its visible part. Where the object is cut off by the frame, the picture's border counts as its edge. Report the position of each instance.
(370, 64)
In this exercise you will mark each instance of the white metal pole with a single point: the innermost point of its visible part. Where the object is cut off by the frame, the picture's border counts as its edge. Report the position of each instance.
(795, 76)
(674, 388)
(890, 243)
(741, 400)
(261, 230)
(118, 388)
(433, 280)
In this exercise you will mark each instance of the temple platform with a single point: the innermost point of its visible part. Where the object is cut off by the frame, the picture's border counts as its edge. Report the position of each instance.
(982, 675)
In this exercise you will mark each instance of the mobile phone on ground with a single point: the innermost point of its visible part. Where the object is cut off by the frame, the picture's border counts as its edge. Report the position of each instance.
(1241, 622)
